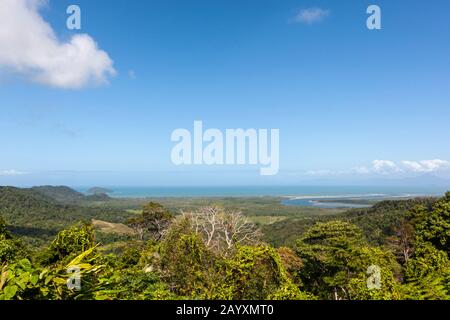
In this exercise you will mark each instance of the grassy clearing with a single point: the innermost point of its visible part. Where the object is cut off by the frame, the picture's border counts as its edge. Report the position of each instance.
(109, 227)
(266, 220)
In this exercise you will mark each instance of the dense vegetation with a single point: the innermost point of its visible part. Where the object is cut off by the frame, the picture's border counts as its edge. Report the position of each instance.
(37, 214)
(393, 250)
(377, 222)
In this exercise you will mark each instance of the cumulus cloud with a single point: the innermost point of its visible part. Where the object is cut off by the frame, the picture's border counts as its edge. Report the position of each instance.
(427, 165)
(11, 172)
(311, 15)
(384, 166)
(30, 48)
(387, 167)
(412, 166)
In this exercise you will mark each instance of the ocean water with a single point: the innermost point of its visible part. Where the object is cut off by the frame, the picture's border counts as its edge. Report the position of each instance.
(305, 196)
(294, 192)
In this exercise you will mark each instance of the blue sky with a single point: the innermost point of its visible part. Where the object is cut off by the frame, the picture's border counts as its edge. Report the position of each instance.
(342, 96)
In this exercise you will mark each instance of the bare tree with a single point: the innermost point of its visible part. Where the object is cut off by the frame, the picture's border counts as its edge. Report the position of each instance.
(237, 229)
(138, 225)
(406, 240)
(221, 230)
(207, 221)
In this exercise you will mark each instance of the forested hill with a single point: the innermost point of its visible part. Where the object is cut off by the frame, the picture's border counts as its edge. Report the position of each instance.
(67, 195)
(40, 212)
(60, 193)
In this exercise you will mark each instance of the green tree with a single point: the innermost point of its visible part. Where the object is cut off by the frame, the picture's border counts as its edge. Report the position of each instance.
(136, 284)
(185, 263)
(3, 230)
(130, 257)
(336, 260)
(292, 264)
(427, 274)
(433, 225)
(11, 249)
(154, 220)
(69, 242)
(257, 272)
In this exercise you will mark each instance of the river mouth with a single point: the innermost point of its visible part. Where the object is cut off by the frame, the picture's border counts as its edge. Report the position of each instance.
(344, 201)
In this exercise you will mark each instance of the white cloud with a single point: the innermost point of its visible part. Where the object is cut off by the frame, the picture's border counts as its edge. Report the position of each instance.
(412, 166)
(436, 164)
(311, 15)
(11, 172)
(29, 47)
(427, 165)
(384, 166)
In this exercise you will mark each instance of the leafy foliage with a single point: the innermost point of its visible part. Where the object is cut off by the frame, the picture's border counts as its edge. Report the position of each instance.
(336, 258)
(258, 273)
(70, 242)
(395, 250)
(3, 230)
(37, 214)
(154, 220)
